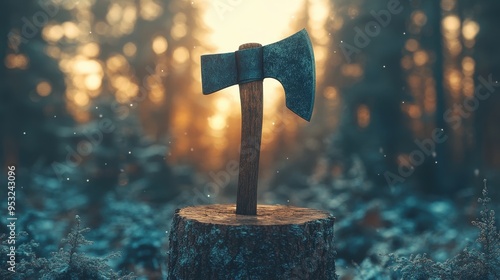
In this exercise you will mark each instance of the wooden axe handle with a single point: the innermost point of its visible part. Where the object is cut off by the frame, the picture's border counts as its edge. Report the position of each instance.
(251, 132)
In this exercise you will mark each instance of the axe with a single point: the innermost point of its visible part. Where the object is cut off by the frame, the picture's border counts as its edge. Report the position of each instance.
(291, 62)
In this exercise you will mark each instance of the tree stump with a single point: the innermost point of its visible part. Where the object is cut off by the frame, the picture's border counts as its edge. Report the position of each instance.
(280, 242)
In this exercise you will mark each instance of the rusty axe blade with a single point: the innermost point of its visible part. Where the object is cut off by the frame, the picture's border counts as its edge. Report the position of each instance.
(291, 62)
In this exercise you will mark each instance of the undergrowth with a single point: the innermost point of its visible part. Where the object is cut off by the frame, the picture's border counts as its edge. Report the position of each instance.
(65, 264)
(480, 261)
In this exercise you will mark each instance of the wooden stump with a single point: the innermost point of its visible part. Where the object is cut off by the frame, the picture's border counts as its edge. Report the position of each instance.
(280, 242)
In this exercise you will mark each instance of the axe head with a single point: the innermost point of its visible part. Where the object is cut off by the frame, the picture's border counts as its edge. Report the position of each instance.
(290, 61)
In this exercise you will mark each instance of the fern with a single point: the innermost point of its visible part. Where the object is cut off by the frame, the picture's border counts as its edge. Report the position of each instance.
(66, 264)
(488, 238)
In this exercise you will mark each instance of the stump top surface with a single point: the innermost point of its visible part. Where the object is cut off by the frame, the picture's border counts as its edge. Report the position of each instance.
(225, 214)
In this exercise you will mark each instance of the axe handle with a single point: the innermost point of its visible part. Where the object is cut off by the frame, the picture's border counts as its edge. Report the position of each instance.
(251, 133)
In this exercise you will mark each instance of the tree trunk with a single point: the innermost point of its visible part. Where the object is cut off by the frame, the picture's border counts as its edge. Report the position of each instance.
(280, 242)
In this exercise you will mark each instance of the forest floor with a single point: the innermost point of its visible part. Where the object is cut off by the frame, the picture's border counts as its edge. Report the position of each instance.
(373, 223)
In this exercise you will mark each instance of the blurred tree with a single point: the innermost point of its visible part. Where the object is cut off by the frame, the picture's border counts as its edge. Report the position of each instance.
(368, 74)
(32, 89)
(487, 58)
(435, 173)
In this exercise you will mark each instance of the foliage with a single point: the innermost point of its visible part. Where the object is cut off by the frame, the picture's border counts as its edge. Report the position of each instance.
(477, 262)
(66, 263)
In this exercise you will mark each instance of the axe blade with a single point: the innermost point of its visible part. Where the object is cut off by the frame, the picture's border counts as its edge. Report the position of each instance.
(218, 71)
(291, 62)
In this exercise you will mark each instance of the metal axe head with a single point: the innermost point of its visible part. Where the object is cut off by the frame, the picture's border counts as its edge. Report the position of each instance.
(290, 61)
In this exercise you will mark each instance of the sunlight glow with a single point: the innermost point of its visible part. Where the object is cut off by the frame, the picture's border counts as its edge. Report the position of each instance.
(13, 61)
(363, 116)
(237, 22)
(71, 30)
(179, 30)
(420, 57)
(217, 122)
(129, 49)
(419, 18)
(181, 55)
(150, 10)
(81, 99)
(52, 33)
(451, 23)
(159, 44)
(93, 81)
(470, 29)
(43, 88)
(90, 49)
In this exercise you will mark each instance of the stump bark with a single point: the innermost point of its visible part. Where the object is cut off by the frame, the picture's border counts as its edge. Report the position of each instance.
(280, 242)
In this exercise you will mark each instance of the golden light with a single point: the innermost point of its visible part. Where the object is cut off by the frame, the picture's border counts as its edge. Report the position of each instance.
(420, 58)
(236, 22)
(411, 45)
(454, 79)
(120, 82)
(157, 95)
(71, 30)
(52, 33)
(448, 5)
(222, 105)
(159, 44)
(407, 62)
(470, 29)
(181, 55)
(414, 111)
(114, 13)
(43, 88)
(84, 66)
(233, 23)
(129, 17)
(363, 116)
(330, 93)
(419, 18)
(468, 65)
(90, 49)
(451, 23)
(217, 122)
(129, 49)
(468, 86)
(93, 82)
(101, 27)
(317, 15)
(81, 99)
(19, 61)
(179, 30)
(53, 51)
(352, 70)
(180, 18)
(150, 10)
(116, 62)
(132, 90)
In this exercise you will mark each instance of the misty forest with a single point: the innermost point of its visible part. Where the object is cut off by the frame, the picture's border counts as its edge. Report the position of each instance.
(105, 132)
